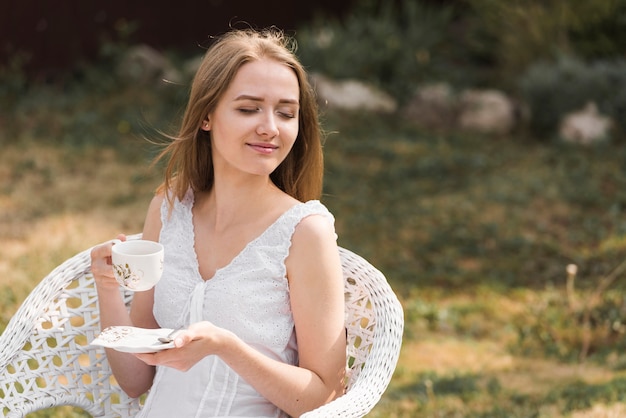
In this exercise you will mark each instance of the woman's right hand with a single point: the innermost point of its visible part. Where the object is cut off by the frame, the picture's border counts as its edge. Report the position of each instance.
(101, 265)
(133, 376)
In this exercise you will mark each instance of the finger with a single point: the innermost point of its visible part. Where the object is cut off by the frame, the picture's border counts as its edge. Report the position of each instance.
(101, 251)
(182, 338)
(101, 265)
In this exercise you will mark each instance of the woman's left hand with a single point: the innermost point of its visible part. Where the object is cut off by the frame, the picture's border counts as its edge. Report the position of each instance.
(191, 345)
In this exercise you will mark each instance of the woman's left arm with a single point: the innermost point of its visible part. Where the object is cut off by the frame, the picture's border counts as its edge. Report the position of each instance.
(317, 302)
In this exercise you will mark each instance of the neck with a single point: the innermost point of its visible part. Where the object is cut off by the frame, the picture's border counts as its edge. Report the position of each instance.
(233, 203)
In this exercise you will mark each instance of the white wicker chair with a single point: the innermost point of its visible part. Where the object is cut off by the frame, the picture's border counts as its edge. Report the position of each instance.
(46, 359)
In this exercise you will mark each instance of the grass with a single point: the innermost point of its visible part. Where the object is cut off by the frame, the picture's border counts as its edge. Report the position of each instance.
(474, 234)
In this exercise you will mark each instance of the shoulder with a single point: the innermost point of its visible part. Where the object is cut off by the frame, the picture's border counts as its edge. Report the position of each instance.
(312, 208)
(156, 203)
(316, 226)
(315, 232)
(152, 225)
(158, 198)
(314, 253)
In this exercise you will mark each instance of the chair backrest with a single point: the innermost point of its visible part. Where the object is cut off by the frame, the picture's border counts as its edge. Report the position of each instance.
(46, 359)
(45, 356)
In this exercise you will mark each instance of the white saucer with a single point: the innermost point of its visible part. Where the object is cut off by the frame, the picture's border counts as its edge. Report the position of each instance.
(133, 340)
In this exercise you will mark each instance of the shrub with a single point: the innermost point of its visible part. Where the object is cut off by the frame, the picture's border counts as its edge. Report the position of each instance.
(554, 88)
(394, 47)
(14, 80)
(581, 395)
(599, 30)
(575, 324)
(506, 37)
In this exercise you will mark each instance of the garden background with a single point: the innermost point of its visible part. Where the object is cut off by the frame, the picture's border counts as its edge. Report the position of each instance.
(477, 233)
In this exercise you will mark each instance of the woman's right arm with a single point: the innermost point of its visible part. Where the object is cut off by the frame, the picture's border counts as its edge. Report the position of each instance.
(133, 375)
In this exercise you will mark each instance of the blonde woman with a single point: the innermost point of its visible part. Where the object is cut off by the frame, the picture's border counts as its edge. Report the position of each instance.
(252, 270)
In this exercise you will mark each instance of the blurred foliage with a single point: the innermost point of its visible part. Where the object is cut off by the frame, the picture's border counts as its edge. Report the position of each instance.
(456, 210)
(598, 29)
(402, 44)
(394, 45)
(552, 55)
(581, 395)
(14, 80)
(552, 89)
(91, 109)
(509, 36)
(570, 332)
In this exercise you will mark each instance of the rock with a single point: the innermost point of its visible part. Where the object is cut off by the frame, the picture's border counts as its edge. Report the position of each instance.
(351, 95)
(487, 112)
(433, 106)
(145, 64)
(585, 126)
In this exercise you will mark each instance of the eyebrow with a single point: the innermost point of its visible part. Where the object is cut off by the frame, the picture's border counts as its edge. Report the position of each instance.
(260, 99)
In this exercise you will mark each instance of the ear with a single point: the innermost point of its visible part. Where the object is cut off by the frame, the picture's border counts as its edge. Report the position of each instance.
(206, 125)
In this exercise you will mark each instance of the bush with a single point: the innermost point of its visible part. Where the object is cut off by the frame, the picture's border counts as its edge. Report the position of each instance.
(575, 324)
(393, 47)
(599, 31)
(581, 395)
(507, 37)
(553, 89)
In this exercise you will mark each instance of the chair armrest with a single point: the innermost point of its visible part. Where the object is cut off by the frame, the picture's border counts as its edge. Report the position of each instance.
(357, 402)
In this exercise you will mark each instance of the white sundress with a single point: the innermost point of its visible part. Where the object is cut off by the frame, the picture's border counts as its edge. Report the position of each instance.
(249, 296)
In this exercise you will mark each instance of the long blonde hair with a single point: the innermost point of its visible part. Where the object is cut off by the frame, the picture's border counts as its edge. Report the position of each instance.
(189, 158)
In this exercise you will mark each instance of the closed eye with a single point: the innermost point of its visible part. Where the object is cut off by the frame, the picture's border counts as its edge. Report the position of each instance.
(288, 111)
(249, 109)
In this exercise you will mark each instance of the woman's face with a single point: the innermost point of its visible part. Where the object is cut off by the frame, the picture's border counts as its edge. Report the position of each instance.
(255, 123)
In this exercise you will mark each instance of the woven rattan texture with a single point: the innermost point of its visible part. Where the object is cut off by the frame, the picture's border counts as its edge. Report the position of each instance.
(46, 359)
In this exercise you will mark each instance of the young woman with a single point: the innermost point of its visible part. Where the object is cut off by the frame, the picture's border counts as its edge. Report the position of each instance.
(252, 270)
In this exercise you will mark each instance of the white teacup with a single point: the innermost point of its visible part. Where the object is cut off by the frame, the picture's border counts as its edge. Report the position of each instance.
(137, 264)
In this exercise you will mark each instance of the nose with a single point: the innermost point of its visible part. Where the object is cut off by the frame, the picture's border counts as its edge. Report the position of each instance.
(267, 126)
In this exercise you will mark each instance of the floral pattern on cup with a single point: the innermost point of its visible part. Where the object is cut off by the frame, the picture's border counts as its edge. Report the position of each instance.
(129, 277)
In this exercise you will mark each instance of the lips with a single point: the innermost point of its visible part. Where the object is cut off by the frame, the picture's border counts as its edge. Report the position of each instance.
(263, 148)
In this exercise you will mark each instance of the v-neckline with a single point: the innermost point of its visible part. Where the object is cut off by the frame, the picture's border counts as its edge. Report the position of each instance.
(250, 243)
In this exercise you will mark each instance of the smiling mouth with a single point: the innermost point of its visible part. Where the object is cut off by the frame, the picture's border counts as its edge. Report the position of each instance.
(263, 148)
